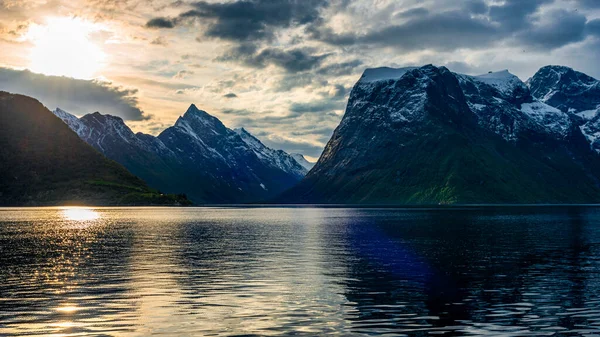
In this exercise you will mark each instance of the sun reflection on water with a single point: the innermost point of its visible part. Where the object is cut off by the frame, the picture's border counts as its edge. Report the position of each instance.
(67, 309)
(80, 214)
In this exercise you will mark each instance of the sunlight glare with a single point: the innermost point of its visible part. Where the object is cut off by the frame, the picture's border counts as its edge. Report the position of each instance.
(62, 47)
(67, 309)
(80, 214)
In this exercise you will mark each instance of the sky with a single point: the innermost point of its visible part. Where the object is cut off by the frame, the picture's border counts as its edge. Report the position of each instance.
(282, 69)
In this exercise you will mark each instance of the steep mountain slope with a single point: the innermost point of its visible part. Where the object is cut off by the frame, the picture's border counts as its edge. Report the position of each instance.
(571, 92)
(45, 163)
(566, 89)
(198, 155)
(427, 136)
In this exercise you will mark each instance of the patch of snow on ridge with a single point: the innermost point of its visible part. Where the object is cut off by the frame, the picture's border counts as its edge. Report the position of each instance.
(503, 81)
(588, 115)
(383, 74)
(414, 105)
(72, 121)
(302, 161)
(554, 120)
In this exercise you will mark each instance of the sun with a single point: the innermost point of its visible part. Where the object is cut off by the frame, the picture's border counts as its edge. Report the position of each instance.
(62, 47)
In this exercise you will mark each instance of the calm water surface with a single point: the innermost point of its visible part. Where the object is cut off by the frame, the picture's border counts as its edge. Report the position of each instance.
(300, 271)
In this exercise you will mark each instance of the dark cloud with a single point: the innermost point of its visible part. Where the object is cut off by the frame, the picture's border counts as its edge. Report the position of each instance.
(444, 31)
(73, 95)
(291, 60)
(593, 27)
(418, 11)
(341, 69)
(325, 105)
(476, 6)
(473, 24)
(160, 23)
(230, 95)
(558, 28)
(238, 112)
(339, 92)
(246, 20)
(588, 3)
(513, 15)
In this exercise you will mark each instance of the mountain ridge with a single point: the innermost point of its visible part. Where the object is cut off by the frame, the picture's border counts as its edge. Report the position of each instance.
(432, 136)
(198, 155)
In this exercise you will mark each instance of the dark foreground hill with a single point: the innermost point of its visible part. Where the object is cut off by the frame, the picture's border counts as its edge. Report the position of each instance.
(43, 162)
(427, 136)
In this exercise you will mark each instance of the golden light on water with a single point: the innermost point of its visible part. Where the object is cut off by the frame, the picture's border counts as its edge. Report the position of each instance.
(80, 214)
(67, 309)
(62, 47)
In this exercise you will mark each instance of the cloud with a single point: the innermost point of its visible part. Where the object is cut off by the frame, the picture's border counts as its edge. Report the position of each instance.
(183, 74)
(291, 144)
(76, 96)
(291, 60)
(413, 12)
(472, 24)
(513, 15)
(441, 31)
(593, 27)
(341, 69)
(238, 112)
(588, 3)
(245, 20)
(160, 23)
(476, 6)
(325, 105)
(159, 41)
(556, 29)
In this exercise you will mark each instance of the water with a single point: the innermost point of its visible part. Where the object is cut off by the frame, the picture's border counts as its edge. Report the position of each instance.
(300, 271)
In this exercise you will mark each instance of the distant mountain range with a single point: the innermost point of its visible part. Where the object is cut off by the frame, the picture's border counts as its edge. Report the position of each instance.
(426, 136)
(43, 162)
(198, 156)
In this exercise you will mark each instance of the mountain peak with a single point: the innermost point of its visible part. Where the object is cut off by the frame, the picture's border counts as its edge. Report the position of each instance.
(194, 113)
(302, 161)
(383, 74)
(504, 81)
(566, 89)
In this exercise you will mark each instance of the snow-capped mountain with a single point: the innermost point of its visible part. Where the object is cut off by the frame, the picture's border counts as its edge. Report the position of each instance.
(278, 159)
(573, 93)
(427, 135)
(198, 156)
(303, 161)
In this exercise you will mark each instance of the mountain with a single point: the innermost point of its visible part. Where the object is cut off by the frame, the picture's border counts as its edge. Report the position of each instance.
(46, 163)
(427, 136)
(198, 155)
(571, 92)
(302, 161)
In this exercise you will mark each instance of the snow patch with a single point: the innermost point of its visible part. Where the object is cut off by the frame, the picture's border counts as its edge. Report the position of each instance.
(503, 81)
(554, 120)
(588, 114)
(383, 74)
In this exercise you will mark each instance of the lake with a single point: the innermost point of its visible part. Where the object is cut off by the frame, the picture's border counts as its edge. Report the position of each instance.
(506, 271)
